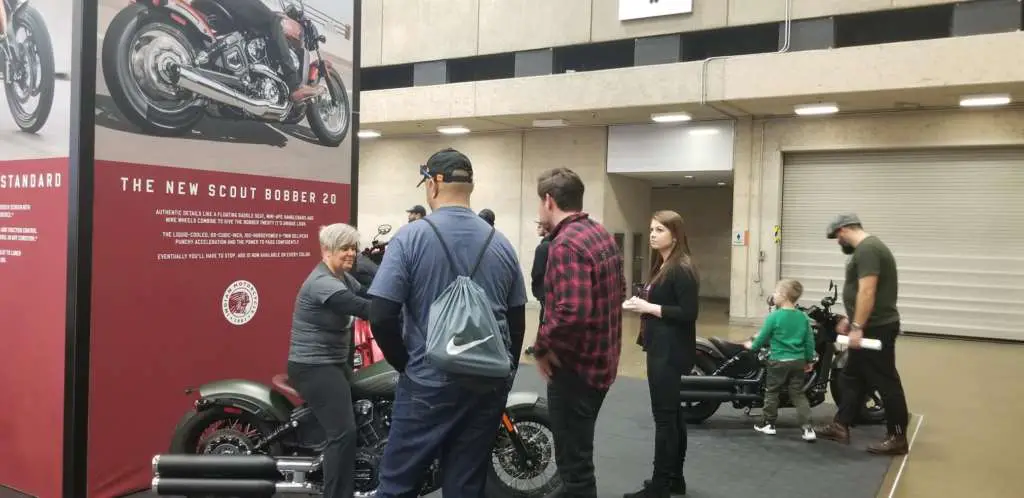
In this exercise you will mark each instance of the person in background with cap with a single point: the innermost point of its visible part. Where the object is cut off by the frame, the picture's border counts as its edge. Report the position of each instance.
(416, 212)
(869, 294)
(488, 216)
(434, 414)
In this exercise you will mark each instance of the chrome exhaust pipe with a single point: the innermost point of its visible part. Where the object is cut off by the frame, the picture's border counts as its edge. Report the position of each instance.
(193, 81)
(230, 466)
(163, 486)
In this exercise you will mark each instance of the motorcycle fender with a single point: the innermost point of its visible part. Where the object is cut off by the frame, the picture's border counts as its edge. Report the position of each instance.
(253, 397)
(17, 8)
(705, 346)
(183, 13)
(520, 399)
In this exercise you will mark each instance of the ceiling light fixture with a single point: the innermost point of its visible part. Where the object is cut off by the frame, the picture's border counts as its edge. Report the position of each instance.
(368, 133)
(703, 131)
(549, 123)
(721, 184)
(452, 130)
(670, 117)
(984, 100)
(815, 109)
(688, 177)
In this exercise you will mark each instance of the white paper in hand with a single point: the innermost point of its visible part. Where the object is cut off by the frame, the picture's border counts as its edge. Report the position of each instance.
(873, 344)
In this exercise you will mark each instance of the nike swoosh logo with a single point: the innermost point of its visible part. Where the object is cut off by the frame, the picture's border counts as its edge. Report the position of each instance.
(455, 350)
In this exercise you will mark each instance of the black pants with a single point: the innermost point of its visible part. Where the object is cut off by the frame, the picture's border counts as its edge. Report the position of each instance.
(254, 14)
(574, 407)
(669, 424)
(868, 370)
(327, 391)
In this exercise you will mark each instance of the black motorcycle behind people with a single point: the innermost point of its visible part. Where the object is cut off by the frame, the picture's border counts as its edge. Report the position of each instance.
(319, 359)
(668, 305)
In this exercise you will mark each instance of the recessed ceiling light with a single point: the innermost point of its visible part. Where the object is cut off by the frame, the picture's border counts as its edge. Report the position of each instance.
(452, 130)
(815, 109)
(549, 123)
(688, 177)
(984, 100)
(368, 134)
(721, 184)
(703, 131)
(670, 117)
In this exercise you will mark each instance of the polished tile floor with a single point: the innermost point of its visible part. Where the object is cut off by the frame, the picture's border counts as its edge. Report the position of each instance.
(969, 397)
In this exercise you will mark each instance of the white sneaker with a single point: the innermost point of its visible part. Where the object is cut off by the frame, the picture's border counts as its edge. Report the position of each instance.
(765, 428)
(809, 434)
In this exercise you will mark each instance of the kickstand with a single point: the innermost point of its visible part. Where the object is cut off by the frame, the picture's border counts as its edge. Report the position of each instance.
(746, 411)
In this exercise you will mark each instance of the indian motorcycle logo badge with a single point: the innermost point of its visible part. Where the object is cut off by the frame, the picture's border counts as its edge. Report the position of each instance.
(240, 302)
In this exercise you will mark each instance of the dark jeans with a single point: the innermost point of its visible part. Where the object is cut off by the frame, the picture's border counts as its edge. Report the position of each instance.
(867, 370)
(574, 406)
(787, 375)
(455, 423)
(327, 391)
(254, 14)
(669, 424)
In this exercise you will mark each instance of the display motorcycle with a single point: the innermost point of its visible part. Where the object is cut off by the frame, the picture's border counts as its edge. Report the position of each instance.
(726, 371)
(170, 63)
(376, 250)
(245, 438)
(26, 65)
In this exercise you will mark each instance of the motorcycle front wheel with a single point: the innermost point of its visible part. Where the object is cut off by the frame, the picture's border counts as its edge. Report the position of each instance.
(330, 120)
(507, 477)
(140, 51)
(873, 411)
(33, 70)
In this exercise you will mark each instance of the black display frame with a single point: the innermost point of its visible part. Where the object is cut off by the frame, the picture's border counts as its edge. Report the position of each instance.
(81, 191)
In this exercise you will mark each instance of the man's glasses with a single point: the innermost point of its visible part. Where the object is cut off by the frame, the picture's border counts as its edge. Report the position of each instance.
(424, 175)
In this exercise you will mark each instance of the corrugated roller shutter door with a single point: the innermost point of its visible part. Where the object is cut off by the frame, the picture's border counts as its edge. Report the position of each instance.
(953, 218)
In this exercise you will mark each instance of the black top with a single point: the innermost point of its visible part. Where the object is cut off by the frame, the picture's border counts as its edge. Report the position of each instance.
(540, 264)
(670, 341)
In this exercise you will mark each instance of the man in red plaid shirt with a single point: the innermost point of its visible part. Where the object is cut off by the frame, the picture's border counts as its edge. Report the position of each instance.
(580, 337)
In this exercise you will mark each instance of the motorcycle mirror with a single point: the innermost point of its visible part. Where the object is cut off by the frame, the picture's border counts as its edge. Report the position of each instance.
(771, 301)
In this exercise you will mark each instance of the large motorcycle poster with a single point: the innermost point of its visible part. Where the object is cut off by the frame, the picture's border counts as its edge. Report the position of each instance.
(224, 139)
(35, 62)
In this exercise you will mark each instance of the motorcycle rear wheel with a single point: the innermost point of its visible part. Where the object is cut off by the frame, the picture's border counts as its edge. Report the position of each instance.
(31, 20)
(699, 411)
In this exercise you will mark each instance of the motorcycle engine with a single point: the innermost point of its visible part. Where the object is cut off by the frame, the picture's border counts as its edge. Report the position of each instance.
(373, 420)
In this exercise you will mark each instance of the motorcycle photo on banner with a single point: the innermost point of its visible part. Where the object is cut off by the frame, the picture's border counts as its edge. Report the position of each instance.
(727, 372)
(245, 438)
(169, 64)
(26, 64)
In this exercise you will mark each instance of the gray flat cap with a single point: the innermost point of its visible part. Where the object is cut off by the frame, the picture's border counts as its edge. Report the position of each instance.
(840, 221)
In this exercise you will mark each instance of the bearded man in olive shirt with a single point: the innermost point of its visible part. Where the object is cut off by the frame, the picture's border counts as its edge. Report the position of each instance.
(869, 294)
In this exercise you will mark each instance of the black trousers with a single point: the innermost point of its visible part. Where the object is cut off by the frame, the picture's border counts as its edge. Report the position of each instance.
(328, 393)
(669, 424)
(574, 407)
(867, 370)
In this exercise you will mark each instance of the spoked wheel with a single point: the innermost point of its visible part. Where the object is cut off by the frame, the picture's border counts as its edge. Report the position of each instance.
(509, 476)
(695, 412)
(30, 86)
(330, 120)
(141, 54)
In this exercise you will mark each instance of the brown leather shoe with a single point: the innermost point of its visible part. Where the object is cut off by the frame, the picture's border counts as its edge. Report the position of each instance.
(834, 431)
(891, 446)
(306, 92)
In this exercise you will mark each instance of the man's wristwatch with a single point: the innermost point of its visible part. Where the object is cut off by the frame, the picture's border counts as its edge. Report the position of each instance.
(856, 326)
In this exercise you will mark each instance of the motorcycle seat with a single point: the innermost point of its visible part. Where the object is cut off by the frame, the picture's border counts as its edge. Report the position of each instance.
(728, 349)
(378, 379)
(280, 381)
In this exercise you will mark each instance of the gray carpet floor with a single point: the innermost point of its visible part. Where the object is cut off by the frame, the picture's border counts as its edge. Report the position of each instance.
(726, 458)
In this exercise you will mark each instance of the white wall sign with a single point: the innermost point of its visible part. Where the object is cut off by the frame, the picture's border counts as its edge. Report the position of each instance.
(643, 9)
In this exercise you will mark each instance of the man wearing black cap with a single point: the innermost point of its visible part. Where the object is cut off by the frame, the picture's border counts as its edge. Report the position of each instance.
(433, 412)
(416, 212)
(869, 294)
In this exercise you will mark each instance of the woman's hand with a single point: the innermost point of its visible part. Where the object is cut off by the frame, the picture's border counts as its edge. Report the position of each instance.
(638, 305)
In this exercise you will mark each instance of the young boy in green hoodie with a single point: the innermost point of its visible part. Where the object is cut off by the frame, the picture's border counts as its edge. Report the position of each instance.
(788, 332)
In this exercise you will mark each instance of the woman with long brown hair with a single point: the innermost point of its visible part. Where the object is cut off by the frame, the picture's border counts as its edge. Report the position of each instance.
(668, 307)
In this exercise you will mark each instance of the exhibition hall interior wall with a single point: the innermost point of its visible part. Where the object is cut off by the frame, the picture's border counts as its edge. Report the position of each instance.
(34, 146)
(203, 229)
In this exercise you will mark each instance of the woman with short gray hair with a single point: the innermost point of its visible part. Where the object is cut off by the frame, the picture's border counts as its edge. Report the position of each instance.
(319, 358)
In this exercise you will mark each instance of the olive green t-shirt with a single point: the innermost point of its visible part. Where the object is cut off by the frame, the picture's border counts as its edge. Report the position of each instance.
(872, 257)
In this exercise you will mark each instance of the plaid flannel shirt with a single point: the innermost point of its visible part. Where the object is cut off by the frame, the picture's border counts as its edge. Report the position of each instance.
(584, 289)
